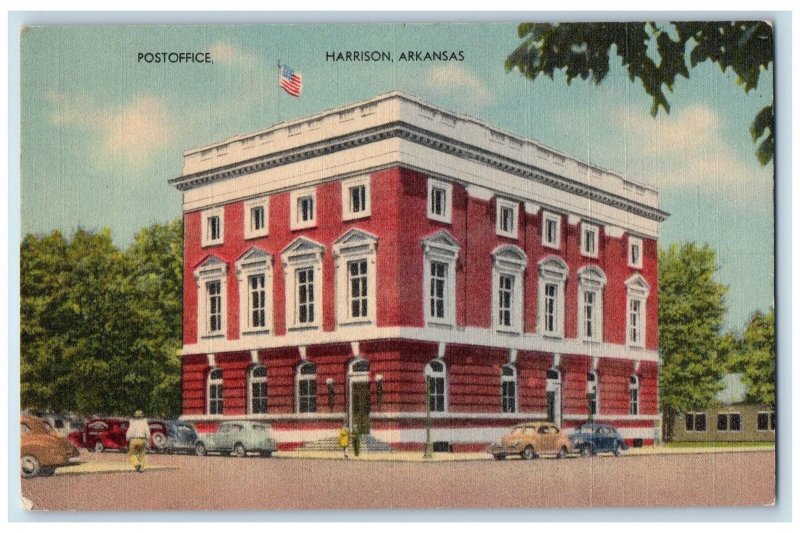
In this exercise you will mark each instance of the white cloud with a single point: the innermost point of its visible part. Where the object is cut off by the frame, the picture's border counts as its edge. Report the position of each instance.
(129, 134)
(230, 54)
(452, 77)
(690, 149)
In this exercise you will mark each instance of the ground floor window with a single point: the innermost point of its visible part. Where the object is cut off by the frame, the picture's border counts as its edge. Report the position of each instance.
(766, 421)
(729, 422)
(695, 421)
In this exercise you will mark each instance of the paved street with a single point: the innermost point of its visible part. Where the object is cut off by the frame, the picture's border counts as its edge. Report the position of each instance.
(189, 482)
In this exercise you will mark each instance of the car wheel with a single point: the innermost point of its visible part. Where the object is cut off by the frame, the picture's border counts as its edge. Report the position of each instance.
(98, 447)
(29, 466)
(200, 449)
(562, 453)
(239, 450)
(159, 441)
(585, 450)
(617, 450)
(528, 453)
(499, 457)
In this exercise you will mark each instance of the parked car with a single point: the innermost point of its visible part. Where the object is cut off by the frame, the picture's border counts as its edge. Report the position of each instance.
(180, 437)
(531, 439)
(42, 450)
(101, 433)
(591, 438)
(62, 424)
(238, 438)
(159, 435)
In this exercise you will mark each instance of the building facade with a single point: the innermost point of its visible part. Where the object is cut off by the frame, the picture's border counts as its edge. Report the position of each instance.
(359, 265)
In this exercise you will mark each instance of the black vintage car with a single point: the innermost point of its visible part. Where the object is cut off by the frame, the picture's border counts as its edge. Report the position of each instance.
(591, 438)
(180, 437)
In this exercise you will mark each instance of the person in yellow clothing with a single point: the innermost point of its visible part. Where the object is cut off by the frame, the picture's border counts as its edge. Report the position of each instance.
(138, 437)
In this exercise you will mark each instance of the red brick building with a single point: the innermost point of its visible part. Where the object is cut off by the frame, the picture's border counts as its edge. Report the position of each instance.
(331, 263)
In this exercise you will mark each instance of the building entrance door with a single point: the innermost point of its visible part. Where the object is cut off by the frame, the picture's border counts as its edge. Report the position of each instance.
(359, 406)
(554, 396)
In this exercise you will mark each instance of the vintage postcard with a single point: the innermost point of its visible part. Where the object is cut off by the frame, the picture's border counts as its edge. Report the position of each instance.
(397, 266)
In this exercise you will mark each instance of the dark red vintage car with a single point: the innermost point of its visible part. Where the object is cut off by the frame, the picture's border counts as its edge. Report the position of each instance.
(101, 434)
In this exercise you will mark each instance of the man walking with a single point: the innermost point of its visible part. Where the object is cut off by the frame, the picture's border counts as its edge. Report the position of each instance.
(138, 437)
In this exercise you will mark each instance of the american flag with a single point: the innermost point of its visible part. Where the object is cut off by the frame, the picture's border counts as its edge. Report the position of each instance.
(291, 81)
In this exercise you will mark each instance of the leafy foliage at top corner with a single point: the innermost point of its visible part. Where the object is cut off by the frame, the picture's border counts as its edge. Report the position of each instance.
(101, 327)
(584, 50)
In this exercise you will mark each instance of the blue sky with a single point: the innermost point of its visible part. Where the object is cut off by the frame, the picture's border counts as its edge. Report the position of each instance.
(102, 133)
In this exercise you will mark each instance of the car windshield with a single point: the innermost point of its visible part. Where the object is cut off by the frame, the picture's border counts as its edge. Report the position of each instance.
(185, 429)
(518, 431)
(48, 427)
(24, 428)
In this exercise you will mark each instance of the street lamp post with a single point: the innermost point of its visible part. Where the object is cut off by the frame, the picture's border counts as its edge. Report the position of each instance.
(428, 445)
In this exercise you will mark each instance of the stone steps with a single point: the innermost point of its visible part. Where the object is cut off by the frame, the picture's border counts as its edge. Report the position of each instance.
(331, 444)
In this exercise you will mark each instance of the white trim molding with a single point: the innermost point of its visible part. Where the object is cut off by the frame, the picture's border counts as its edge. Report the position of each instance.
(355, 248)
(206, 227)
(296, 215)
(638, 291)
(507, 218)
(211, 270)
(591, 281)
(440, 249)
(509, 264)
(553, 272)
(304, 255)
(349, 210)
(445, 204)
(251, 207)
(255, 263)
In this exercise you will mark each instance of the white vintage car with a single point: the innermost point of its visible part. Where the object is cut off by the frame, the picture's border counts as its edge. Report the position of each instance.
(237, 438)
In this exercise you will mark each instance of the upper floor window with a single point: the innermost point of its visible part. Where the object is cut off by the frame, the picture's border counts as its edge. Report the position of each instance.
(254, 271)
(633, 395)
(508, 383)
(589, 240)
(356, 198)
(508, 276)
(302, 264)
(441, 251)
(638, 291)
(552, 278)
(257, 389)
(507, 215)
(634, 252)
(306, 388)
(256, 218)
(211, 278)
(591, 281)
(215, 392)
(303, 208)
(551, 230)
(355, 254)
(212, 221)
(436, 379)
(440, 200)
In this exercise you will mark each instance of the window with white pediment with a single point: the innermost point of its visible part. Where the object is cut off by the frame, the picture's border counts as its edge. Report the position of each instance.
(508, 274)
(254, 271)
(553, 273)
(591, 282)
(441, 252)
(638, 290)
(356, 284)
(302, 268)
(212, 294)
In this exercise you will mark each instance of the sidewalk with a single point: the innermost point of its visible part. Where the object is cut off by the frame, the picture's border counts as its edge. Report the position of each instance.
(482, 456)
(103, 467)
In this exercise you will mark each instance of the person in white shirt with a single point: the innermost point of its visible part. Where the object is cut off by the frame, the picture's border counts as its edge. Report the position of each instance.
(138, 437)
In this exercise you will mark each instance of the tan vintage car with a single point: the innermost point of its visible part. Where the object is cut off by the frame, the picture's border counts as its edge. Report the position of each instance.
(42, 449)
(530, 440)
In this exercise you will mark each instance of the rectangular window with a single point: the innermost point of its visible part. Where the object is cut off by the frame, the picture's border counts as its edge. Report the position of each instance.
(305, 209)
(695, 422)
(257, 218)
(257, 301)
(634, 252)
(357, 273)
(507, 219)
(256, 213)
(440, 200)
(551, 230)
(550, 307)
(436, 394)
(507, 214)
(305, 296)
(635, 322)
(438, 289)
(765, 421)
(215, 401)
(214, 306)
(722, 422)
(589, 301)
(213, 228)
(589, 240)
(358, 199)
(735, 423)
(634, 402)
(509, 397)
(308, 395)
(505, 300)
(258, 397)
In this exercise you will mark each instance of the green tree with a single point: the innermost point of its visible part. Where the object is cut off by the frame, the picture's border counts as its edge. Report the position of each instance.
(654, 54)
(691, 308)
(756, 358)
(101, 328)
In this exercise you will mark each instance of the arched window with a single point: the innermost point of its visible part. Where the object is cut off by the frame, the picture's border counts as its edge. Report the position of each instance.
(257, 378)
(508, 383)
(215, 392)
(306, 388)
(436, 375)
(359, 365)
(633, 391)
(593, 393)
